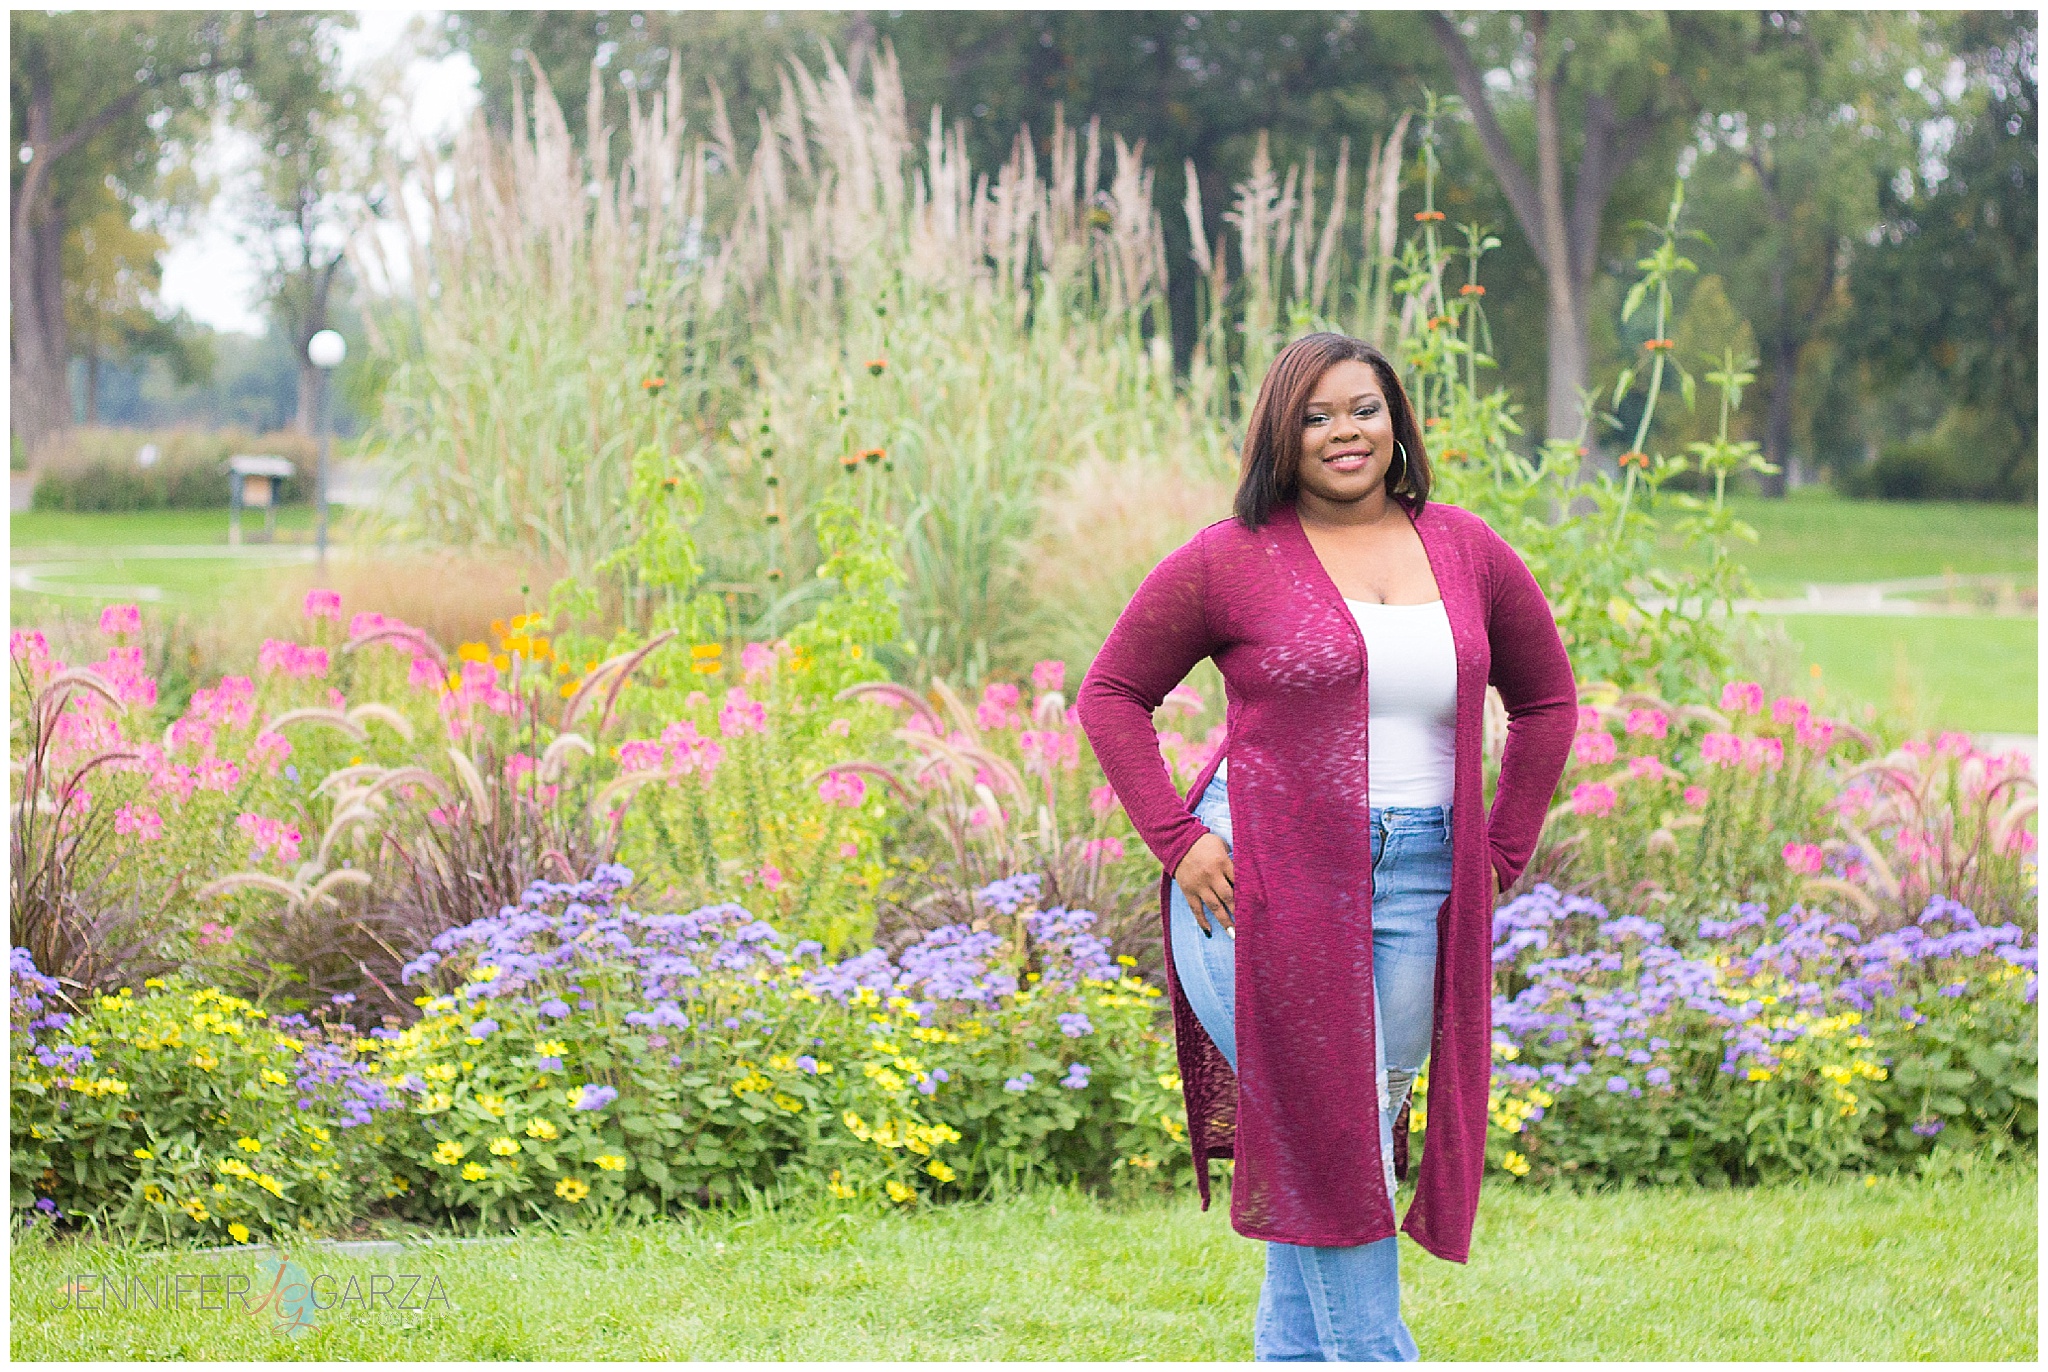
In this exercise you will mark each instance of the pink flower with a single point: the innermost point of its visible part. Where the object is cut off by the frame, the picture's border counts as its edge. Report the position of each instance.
(291, 659)
(641, 755)
(1593, 799)
(981, 817)
(844, 789)
(1649, 723)
(1696, 797)
(690, 751)
(1045, 749)
(1745, 697)
(1815, 734)
(323, 605)
(1954, 744)
(1594, 748)
(696, 700)
(1097, 850)
(1767, 753)
(269, 751)
(1789, 710)
(1806, 858)
(211, 933)
(998, 708)
(133, 820)
(1049, 675)
(116, 620)
(518, 765)
(439, 816)
(218, 774)
(771, 875)
(368, 621)
(1645, 768)
(756, 661)
(1184, 698)
(839, 728)
(1589, 719)
(425, 672)
(741, 715)
(229, 705)
(849, 851)
(1102, 799)
(1720, 750)
(131, 681)
(28, 643)
(177, 779)
(266, 834)
(2019, 839)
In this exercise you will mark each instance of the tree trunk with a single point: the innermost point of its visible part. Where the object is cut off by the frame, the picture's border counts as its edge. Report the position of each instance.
(92, 382)
(38, 346)
(1784, 348)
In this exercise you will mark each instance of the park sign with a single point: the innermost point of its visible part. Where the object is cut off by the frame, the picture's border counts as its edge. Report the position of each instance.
(255, 481)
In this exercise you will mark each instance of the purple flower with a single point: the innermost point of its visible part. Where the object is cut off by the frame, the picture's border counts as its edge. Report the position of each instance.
(1076, 1026)
(1076, 1077)
(731, 1023)
(549, 1064)
(291, 773)
(1927, 1129)
(1617, 1084)
(1959, 988)
(1019, 1084)
(46, 1205)
(1911, 1015)
(596, 1097)
(554, 1009)
(1658, 1076)
(806, 1063)
(345, 998)
(483, 1028)
(941, 1074)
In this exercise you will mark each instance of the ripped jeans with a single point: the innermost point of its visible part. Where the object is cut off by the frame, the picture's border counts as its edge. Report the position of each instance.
(1341, 1304)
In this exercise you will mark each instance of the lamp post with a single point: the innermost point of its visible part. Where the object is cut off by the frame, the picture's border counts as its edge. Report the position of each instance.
(324, 350)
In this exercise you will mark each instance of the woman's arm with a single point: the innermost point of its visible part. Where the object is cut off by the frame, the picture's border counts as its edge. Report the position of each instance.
(1157, 641)
(1534, 678)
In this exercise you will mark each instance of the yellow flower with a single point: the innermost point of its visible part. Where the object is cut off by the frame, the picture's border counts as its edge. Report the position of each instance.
(1170, 1080)
(196, 1208)
(248, 1145)
(789, 1103)
(220, 1188)
(1126, 960)
(551, 1048)
(1870, 1181)
(448, 1153)
(542, 1129)
(900, 1193)
(436, 1101)
(838, 1187)
(939, 1170)
(235, 1167)
(270, 1184)
(572, 1190)
(274, 1077)
(610, 1162)
(1516, 1164)
(504, 1147)
(154, 983)
(204, 1060)
(239, 1232)
(144, 1154)
(474, 1171)
(492, 1105)
(153, 1194)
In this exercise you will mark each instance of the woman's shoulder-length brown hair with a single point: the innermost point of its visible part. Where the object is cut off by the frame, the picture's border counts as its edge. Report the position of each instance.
(1269, 464)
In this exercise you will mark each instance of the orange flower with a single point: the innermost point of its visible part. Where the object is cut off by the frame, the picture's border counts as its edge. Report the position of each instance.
(1636, 459)
(873, 454)
(1472, 288)
(1424, 216)
(877, 365)
(653, 383)
(1655, 344)
(850, 463)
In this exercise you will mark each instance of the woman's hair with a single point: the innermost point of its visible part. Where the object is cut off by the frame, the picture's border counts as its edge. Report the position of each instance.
(1271, 459)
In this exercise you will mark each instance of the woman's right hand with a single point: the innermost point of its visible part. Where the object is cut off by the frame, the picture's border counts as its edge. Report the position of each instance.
(1208, 879)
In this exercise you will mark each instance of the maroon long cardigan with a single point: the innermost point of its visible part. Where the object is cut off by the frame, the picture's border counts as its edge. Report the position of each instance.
(1301, 1115)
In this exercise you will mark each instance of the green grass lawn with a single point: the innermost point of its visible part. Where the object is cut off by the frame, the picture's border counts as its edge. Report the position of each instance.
(45, 528)
(1839, 1270)
(1940, 671)
(1813, 535)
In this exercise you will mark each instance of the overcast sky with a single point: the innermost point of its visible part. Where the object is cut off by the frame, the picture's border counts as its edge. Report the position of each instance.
(207, 272)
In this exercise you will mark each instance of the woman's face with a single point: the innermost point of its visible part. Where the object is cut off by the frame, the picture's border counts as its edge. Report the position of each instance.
(1347, 435)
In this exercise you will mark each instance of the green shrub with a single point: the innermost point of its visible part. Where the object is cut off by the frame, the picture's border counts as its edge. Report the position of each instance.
(95, 469)
(184, 1112)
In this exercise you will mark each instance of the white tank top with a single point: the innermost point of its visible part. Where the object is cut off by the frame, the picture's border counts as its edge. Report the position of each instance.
(1412, 691)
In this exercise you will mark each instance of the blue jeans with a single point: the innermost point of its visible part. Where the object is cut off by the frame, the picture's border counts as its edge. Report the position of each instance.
(1341, 1304)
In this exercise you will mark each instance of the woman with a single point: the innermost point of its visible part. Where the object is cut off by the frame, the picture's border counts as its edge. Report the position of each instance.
(1331, 892)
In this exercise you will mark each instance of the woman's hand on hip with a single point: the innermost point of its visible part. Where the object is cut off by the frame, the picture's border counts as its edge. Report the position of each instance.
(1208, 879)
